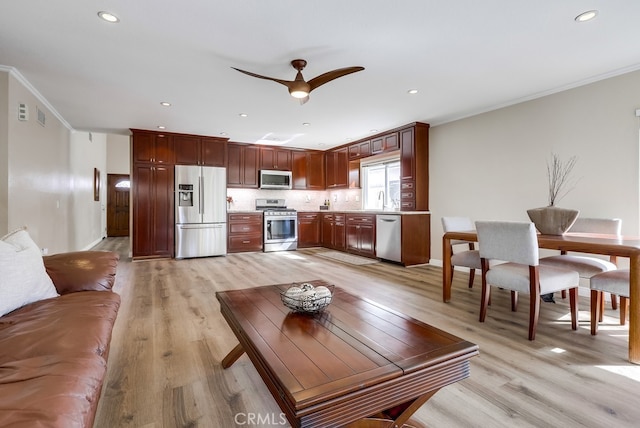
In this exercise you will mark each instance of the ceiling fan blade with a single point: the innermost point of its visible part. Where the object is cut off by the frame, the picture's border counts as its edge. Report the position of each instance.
(282, 82)
(331, 75)
(304, 100)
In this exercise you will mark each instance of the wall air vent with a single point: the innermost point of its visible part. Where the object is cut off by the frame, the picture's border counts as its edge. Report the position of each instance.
(41, 116)
(23, 112)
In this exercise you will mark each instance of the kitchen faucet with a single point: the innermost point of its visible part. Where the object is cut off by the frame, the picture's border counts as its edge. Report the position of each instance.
(382, 198)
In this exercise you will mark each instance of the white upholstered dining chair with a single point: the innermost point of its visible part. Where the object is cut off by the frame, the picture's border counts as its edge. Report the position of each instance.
(516, 244)
(587, 266)
(615, 282)
(468, 257)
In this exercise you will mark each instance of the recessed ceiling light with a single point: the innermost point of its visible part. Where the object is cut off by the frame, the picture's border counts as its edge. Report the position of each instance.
(108, 16)
(586, 16)
(243, 115)
(373, 130)
(306, 124)
(412, 91)
(165, 104)
(162, 127)
(223, 133)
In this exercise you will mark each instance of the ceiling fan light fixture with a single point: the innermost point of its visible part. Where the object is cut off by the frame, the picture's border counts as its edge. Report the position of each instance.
(298, 93)
(299, 88)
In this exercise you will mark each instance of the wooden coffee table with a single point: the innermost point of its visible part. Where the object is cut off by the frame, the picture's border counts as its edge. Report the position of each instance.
(356, 364)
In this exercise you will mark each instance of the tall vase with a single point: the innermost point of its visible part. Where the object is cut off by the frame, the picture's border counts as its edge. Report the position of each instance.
(553, 220)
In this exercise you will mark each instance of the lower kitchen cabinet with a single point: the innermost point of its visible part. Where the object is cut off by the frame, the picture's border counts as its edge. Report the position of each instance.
(333, 231)
(361, 234)
(245, 232)
(416, 239)
(309, 227)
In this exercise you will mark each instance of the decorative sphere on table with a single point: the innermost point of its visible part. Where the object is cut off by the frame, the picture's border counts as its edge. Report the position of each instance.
(293, 295)
(323, 295)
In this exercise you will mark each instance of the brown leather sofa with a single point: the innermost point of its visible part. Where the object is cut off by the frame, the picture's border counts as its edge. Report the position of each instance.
(53, 353)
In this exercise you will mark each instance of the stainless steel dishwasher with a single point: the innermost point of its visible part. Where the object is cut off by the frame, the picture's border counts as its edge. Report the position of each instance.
(389, 237)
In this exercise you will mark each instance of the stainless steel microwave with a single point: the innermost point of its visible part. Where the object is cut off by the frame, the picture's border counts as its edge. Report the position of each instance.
(270, 179)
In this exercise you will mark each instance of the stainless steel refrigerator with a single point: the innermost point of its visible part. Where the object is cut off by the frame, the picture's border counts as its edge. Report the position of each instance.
(201, 211)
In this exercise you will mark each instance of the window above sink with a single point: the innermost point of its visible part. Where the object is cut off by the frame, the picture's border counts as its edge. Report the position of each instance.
(381, 184)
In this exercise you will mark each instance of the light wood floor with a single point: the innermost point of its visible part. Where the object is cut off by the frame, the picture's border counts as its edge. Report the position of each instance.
(169, 338)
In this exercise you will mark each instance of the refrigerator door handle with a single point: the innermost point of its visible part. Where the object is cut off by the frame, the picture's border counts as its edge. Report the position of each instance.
(201, 178)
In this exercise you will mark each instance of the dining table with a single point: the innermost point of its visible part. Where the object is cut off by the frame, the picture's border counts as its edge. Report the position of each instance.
(590, 243)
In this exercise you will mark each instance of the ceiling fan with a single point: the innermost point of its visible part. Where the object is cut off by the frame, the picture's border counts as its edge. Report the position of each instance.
(298, 88)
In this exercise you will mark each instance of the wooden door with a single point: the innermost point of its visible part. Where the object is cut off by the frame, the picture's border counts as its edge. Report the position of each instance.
(118, 186)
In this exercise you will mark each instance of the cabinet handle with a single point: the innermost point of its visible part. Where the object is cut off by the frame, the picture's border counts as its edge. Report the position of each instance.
(246, 242)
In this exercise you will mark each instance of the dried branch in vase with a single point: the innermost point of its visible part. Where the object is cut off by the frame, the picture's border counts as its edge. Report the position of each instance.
(559, 174)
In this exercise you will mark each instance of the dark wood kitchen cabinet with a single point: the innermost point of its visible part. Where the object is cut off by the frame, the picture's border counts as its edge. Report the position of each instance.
(361, 234)
(196, 150)
(337, 168)
(359, 150)
(308, 170)
(242, 165)
(152, 147)
(152, 216)
(385, 143)
(309, 227)
(275, 158)
(153, 219)
(414, 168)
(333, 231)
(245, 232)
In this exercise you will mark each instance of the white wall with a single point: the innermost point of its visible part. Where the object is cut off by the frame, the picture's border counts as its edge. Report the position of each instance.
(493, 165)
(49, 170)
(118, 154)
(87, 152)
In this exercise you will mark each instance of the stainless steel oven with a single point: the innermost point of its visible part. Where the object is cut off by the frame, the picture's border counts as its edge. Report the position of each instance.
(280, 225)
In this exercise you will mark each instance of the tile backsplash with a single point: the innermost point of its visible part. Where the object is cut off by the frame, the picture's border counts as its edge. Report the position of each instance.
(301, 200)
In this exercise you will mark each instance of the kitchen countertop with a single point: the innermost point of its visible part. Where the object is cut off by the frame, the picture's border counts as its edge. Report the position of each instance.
(338, 211)
(366, 212)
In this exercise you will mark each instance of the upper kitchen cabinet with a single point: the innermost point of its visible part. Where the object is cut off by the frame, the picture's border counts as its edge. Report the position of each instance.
(308, 169)
(385, 143)
(242, 165)
(359, 150)
(414, 167)
(337, 168)
(152, 147)
(195, 150)
(275, 158)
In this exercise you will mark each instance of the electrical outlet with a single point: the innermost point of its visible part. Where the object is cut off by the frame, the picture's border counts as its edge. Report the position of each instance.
(335, 198)
(357, 198)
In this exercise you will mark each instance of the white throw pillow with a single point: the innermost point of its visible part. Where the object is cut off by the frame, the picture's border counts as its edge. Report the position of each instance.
(23, 277)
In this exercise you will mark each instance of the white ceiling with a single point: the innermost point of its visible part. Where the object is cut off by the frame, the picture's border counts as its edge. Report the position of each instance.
(464, 57)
